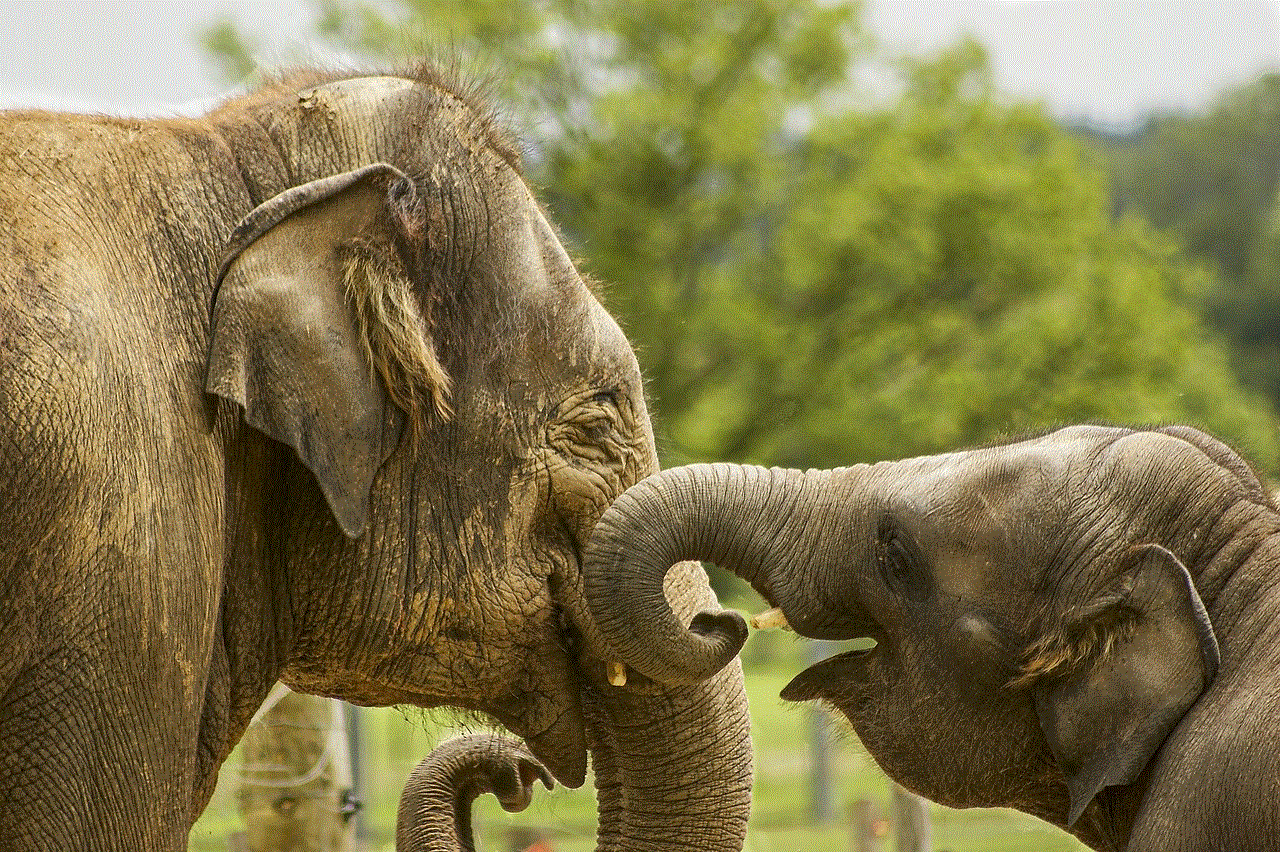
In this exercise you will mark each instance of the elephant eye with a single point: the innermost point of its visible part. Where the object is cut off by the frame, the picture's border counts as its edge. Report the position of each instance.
(898, 559)
(590, 428)
(606, 397)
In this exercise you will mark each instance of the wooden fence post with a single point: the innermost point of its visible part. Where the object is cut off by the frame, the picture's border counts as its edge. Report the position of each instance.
(822, 807)
(295, 769)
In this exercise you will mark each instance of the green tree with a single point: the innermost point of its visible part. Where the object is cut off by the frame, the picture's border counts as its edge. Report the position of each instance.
(1213, 180)
(956, 277)
(811, 278)
(232, 50)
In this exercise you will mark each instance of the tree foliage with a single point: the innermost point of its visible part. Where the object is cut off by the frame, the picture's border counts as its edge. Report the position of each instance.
(814, 278)
(1213, 179)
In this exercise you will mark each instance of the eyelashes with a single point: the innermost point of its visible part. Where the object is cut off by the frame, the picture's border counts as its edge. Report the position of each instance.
(899, 560)
(606, 397)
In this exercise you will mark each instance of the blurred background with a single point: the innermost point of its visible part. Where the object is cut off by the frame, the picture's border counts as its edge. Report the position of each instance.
(834, 233)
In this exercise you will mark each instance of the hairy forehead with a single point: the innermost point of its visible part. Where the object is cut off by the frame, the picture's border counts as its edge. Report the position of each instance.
(469, 94)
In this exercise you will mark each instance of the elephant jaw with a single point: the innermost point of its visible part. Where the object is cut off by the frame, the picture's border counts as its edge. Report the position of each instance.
(546, 710)
(832, 677)
(561, 746)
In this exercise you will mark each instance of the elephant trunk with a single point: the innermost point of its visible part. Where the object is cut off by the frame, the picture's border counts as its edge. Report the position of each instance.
(608, 784)
(673, 769)
(435, 807)
(673, 772)
(743, 518)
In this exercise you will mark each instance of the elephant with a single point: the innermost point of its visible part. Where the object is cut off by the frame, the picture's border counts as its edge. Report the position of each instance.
(308, 389)
(1083, 625)
(435, 807)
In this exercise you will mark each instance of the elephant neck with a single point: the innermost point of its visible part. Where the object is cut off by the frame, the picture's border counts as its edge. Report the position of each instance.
(263, 170)
(1233, 568)
(1107, 824)
(253, 630)
(244, 667)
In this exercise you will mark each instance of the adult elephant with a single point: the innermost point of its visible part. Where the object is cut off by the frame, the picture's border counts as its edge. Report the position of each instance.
(355, 443)
(1084, 626)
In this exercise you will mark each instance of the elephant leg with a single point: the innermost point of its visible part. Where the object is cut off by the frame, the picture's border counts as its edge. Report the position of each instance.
(79, 773)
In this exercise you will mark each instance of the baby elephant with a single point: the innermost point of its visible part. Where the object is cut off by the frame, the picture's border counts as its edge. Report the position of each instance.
(435, 807)
(1084, 626)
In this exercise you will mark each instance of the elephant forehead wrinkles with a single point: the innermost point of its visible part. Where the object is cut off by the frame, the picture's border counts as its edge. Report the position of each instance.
(976, 516)
(371, 118)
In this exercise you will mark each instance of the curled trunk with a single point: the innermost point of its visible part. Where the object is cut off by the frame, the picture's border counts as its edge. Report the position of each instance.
(672, 772)
(435, 807)
(743, 518)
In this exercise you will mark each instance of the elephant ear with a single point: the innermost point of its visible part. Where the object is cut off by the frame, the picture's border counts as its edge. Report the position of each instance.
(299, 322)
(1121, 672)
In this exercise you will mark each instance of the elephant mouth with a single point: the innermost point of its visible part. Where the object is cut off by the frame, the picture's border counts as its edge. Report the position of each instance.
(560, 739)
(841, 674)
(562, 750)
(835, 676)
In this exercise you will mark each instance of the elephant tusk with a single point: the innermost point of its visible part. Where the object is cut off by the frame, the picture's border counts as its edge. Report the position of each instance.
(770, 618)
(617, 674)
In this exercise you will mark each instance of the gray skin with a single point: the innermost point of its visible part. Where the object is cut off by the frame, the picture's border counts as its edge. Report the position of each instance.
(1084, 626)
(355, 442)
(435, 807)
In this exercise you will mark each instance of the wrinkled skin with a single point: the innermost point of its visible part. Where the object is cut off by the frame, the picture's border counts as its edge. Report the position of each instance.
(1084, 626)
(435, 807)
(355, 443)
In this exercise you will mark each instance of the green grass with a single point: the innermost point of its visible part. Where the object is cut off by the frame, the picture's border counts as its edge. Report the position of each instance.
(396, 740)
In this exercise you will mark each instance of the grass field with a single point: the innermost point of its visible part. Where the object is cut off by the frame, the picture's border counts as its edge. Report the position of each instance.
(396, 740)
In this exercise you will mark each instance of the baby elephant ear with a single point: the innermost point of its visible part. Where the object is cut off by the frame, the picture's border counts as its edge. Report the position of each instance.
(286, 345)
(1127, 667)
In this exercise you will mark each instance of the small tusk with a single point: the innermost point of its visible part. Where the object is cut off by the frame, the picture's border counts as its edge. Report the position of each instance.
(617, 674)
(770, 618)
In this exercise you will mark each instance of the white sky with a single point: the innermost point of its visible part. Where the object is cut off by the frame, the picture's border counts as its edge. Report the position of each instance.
(1108, 60)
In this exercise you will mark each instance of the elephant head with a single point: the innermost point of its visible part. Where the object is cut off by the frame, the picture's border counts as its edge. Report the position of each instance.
(404, 320)
(435, 807)
(1044, 615)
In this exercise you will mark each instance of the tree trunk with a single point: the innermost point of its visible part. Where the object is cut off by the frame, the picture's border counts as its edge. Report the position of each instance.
(296, 770)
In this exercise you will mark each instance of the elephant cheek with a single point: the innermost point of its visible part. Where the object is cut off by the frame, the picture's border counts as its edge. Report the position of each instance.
(956, 753)
(580, 495)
